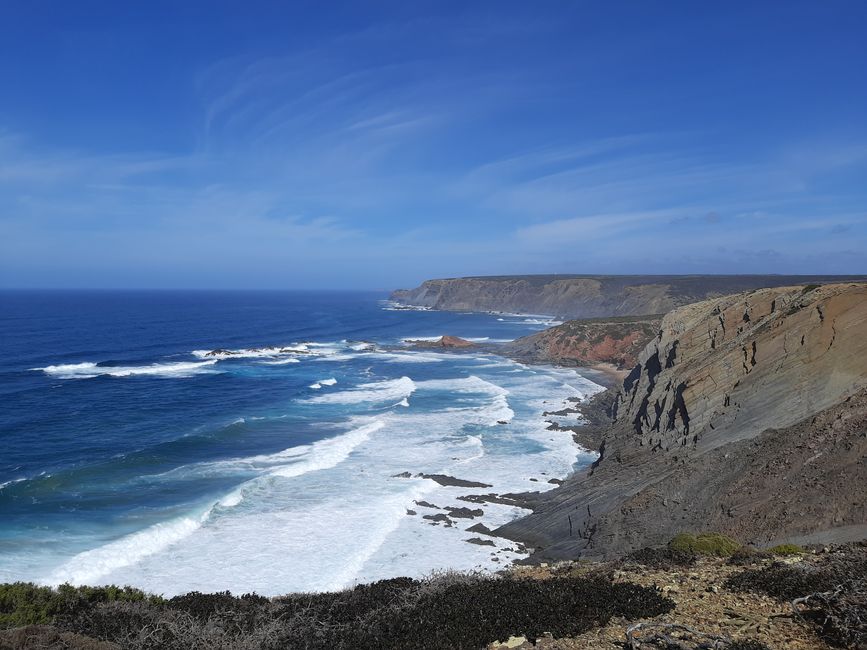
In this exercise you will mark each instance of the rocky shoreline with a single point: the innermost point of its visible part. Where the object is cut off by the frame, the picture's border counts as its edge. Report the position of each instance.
(746, 415)
(590, 296)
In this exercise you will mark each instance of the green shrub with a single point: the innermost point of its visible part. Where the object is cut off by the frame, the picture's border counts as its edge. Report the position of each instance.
(808, 288)
(714, 544)
(786, 549)
(23, 603)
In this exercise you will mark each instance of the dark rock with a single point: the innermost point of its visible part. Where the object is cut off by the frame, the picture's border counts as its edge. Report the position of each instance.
(451, 481)
(479, 528)
(439, 517)
(465, 513)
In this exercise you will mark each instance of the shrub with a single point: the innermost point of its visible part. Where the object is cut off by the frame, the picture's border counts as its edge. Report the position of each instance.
(714, 544)
(662, 558)
(453, 610)
(747, 556)
(786, 549)
(808, 288)
(840, 615)
(23, 603)
(32, 637)
(784, 581)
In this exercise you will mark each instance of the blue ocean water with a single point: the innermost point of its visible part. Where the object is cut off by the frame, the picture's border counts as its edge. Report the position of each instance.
(259, 440)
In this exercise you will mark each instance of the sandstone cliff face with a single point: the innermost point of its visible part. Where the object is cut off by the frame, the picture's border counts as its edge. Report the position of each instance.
(615, 341)
(746, 414)
(726, 369)
(589, 296)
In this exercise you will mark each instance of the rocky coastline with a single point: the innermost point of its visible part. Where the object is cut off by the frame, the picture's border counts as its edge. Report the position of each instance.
(745, 414)
(590, 296)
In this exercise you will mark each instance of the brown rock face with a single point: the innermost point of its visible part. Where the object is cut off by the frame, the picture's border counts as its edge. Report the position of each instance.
(727, 369)
(617, 341)
(746, 414)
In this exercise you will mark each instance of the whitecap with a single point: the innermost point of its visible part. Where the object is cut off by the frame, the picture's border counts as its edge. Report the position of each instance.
(88, 567)
(281, 362)
(391, 390)
(326, 454)
(221, 354)
(89, 370)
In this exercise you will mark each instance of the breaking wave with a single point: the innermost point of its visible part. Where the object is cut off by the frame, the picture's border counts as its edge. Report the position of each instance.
(89, 370)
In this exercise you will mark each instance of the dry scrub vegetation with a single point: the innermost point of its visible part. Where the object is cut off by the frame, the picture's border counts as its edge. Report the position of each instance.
(700, 592)
(448, 611)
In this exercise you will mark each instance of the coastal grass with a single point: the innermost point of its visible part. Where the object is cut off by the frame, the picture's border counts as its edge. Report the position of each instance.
(786, 549)
(453, 610)
(714, 544)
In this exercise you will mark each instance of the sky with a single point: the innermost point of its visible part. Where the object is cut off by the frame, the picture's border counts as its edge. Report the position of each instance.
(372, 145)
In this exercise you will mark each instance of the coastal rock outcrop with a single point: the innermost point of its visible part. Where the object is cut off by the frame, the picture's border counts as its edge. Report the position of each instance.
(589, 296)
(616, 341)
(746, 414)
(447, 341)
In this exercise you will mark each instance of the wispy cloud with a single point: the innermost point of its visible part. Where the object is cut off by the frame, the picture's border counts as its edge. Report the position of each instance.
(425, 145)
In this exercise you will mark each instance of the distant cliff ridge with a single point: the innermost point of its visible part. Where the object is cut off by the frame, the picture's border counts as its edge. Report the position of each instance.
(591, 296)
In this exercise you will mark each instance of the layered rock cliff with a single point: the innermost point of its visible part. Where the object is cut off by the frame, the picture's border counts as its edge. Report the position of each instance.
(615, 341)
(746, 414)
(591, 296)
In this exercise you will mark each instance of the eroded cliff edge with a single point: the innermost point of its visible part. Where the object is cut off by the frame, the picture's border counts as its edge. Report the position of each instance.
(746, 414)
(590, 296)
(615, 341)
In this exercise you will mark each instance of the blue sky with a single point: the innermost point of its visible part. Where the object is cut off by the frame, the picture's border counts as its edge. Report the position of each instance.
(376, 144)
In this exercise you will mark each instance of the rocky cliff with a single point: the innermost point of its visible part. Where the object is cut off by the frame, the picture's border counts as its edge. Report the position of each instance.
(615, 341)
(591, 296)
(746, 414)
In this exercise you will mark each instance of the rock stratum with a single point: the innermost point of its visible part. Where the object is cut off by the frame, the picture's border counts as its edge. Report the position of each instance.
(590, 296)
(746, 414)
(615, 341)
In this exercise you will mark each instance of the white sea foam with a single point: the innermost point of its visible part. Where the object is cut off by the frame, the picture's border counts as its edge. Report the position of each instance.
(326, 454)
(89, 567)
(410, 357)
(281, 362)
(11, 482)
(315, 386)
(89, 370)
(328, 382)
(471, 384)
(328, 514)
(232, 499)
(390, 390)
(222, 354)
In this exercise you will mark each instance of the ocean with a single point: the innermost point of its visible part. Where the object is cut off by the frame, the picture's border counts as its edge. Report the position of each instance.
(289, 460)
